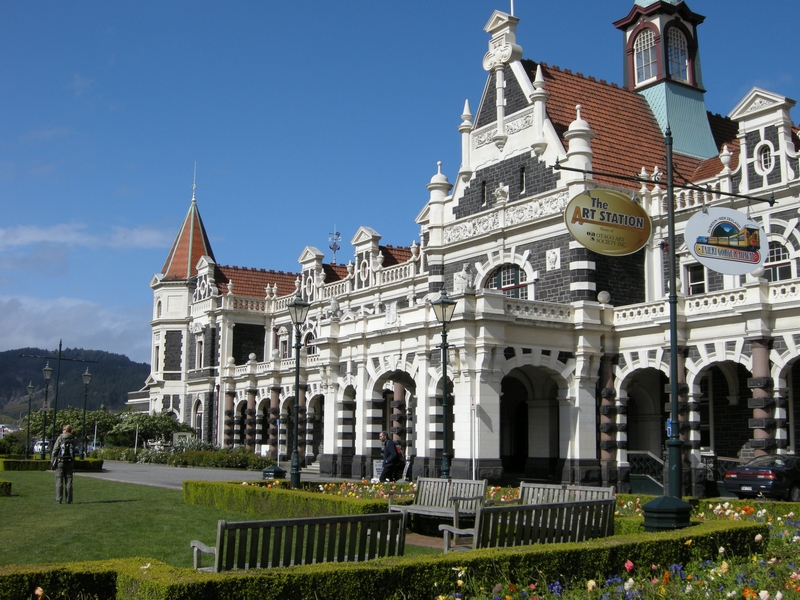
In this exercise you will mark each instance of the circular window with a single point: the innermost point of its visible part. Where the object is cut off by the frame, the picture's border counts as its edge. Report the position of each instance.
(364, 271)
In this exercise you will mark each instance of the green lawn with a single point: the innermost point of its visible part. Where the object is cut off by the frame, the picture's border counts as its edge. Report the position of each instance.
(106, 520)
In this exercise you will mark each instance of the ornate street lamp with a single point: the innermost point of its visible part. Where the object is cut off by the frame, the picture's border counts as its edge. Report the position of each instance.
(444, 308)
(298, 311)
(87, 378)
(47, 372)
(28, 436)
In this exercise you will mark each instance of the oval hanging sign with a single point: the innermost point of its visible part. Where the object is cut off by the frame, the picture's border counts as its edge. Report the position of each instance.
(726, 241)
(607, 222)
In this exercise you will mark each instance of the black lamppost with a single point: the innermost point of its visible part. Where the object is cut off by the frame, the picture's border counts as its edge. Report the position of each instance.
(28, 437)
(444, 308)
(298, 311)
(87, 378)
(47, 372)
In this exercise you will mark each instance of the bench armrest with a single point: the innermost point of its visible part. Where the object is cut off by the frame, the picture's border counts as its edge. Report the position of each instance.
(393, 494)
(198, 549)
(462, 498)
(449, 530)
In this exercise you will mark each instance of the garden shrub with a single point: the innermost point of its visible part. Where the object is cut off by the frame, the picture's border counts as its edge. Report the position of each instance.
(35, 464)
(275, 501)
(140, 579)
(5, 488)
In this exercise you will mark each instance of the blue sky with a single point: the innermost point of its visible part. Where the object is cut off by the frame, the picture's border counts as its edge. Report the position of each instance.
(300, 115)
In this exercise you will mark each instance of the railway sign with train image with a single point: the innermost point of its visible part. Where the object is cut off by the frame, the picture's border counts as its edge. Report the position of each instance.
(726, 241)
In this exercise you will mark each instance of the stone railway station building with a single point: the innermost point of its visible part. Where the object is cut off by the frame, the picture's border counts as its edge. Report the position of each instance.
(558, 357)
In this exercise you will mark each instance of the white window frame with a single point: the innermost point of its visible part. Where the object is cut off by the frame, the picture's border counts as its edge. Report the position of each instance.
(678, 55)
(692, 283)
(644, 49)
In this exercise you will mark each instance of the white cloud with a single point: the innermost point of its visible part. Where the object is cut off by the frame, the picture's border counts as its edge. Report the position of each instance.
(46, 134)
(78, 234)
(80, 85)
(33, 322)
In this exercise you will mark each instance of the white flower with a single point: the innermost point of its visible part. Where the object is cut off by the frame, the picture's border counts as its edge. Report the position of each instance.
(688, 589)
(779, 596)
(758, 538)
(722, 549)
(790, 515)
(629, 585)
(763, 595)
(731, 594)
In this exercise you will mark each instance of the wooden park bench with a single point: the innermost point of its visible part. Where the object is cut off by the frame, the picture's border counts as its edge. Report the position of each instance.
(525, 524)
(547, 493)
(443, 498)
(285, 542)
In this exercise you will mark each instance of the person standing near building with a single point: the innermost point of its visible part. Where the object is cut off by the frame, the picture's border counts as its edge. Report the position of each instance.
(391, 459)
(63, 463)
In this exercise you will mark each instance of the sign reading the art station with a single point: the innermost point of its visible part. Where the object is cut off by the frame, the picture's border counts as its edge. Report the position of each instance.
(607, 222)
(725, 241)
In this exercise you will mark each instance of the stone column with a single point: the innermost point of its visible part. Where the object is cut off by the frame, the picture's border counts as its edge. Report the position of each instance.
(762, 402)
(229, 420)
(301, 423)
(608, 425)
(250, 419)
(311, 417)
(398, 413)
(274, 415)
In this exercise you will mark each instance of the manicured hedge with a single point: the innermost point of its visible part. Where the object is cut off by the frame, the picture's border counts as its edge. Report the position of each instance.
(276, 502)
(36, 464)
(143, 579)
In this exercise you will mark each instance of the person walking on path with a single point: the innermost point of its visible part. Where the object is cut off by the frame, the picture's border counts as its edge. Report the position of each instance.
(63, 463)
(391, 459)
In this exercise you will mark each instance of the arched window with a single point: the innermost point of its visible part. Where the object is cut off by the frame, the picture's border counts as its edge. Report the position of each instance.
(510, 279)
(308, 342)
(778, 266)
(158, 310)
(677, 55)
(644, 50)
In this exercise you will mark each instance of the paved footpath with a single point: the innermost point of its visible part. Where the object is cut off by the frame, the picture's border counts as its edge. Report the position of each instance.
(173, 477)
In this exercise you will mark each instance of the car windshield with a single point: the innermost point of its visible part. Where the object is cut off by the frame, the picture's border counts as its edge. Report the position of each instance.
(768, 461)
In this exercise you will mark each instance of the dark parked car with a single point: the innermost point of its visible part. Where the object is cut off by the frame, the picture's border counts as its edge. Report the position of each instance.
(776, 476)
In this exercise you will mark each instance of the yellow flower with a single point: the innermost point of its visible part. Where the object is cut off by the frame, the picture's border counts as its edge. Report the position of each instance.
(724, 567)
(688, 543)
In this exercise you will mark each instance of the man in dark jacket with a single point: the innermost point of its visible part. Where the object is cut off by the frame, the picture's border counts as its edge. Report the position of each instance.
(64, 464)
(391, 459)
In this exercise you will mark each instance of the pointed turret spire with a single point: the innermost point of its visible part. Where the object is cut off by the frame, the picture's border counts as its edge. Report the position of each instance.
(190, 245)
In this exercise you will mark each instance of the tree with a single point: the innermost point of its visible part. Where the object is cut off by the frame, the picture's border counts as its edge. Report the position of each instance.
(151, 428)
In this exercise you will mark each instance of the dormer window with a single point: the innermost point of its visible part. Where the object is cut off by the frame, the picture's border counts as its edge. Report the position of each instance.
(677, 55)
(645, 55)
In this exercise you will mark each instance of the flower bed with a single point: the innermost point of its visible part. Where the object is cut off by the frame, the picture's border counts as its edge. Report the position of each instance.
(771, 572)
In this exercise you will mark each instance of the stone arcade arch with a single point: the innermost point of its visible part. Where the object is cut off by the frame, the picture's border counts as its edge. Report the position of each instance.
(719, 392)
(647, 397)
(315, 428)
(529, 424)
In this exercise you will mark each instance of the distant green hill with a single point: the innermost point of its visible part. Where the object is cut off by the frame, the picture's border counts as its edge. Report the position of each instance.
(113, 376)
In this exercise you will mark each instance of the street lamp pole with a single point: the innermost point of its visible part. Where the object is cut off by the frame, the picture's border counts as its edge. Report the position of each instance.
(28, 436)
(47, 372)
(444, 308)
(298, 311)
(87, 378)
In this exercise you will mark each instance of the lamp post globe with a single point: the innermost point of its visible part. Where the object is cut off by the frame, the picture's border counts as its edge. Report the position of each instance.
(87, 378)
(28, 435)
(298, 311)
(444, 308)
(47, 372)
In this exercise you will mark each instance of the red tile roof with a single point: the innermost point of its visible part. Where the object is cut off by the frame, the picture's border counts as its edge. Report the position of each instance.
(252, 283)
(190, 245)
(627, 135)
(395, 255)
